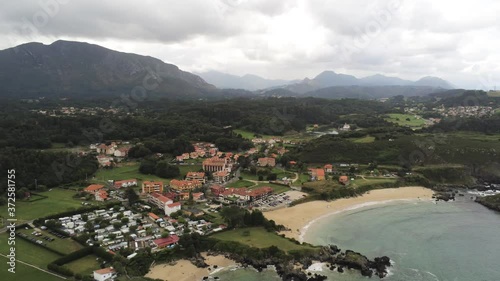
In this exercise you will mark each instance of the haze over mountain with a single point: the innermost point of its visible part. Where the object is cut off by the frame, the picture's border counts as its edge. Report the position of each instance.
(248, 82)
(331, 79)
(66, 68)
(323, 80)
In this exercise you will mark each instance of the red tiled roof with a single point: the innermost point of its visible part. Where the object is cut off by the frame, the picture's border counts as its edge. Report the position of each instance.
(260, 191)
(160, 197)
(153, 216)
(221, 174)
(105, 270)
(163, 242)
(121, 182)
(94, 187)
(343, 179)
(173, 205)
(103, 194)
(195, 174)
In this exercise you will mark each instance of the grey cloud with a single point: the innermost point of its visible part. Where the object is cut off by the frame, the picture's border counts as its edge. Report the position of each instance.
(165, 21)
(411, 38)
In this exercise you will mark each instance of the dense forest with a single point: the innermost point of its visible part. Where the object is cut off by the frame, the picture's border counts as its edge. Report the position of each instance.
(169, 126)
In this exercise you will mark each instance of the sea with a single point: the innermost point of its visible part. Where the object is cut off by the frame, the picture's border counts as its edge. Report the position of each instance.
(426, 241)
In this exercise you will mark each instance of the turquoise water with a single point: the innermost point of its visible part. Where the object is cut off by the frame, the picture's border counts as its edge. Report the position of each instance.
(457, 241)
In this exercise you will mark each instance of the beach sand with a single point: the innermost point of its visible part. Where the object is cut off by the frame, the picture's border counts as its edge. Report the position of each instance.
(298, 217)
(184, 270)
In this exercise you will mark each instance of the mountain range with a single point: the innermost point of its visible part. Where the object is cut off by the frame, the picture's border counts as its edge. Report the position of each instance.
(248, 82)
(325, 79)
(78, 69)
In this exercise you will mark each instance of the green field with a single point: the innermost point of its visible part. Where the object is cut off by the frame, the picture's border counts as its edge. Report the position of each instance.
(84, 266)
(294, 136)
(59, 200)
(258, 237)
(366, 139)
(469, 136)
(241, 183)
(276, 187)
(283, 173)
(359, 182)
(248, 176)
(303, 178)
(28, 252)
(127, 171)
(322, 186)
(131, 171)
(66, 245)
(245, 134)
(188, 168)
(401, 119)
(24, 272)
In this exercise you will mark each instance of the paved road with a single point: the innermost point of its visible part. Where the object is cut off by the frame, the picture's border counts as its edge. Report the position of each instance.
(36, 267)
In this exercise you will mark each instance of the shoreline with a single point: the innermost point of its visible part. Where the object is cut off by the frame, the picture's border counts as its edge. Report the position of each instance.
(300, 217)
(184, 270)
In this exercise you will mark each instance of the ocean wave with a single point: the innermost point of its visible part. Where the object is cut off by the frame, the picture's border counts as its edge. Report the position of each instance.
(317, 267)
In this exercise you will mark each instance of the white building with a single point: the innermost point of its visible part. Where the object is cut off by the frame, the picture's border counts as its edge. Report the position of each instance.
(105, 274)
(172, 208)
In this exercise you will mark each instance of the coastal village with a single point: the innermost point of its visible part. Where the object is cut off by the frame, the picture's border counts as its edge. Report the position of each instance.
(167, 209)
(263, 177)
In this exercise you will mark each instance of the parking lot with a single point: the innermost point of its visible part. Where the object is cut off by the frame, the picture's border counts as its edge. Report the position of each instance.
(37, 237)
(276, 201)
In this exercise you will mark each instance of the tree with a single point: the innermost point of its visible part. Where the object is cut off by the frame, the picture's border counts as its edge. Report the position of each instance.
(132, 197)
(139, 151)
(147, 167)
(233, 216)
(165, 170)
(89, 226)
(272, 177)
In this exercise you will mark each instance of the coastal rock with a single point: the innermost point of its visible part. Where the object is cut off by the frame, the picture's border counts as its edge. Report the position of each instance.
(444, 196)
(491, 202)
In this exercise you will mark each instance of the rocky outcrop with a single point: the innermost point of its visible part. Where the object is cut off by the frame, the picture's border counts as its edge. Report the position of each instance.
(444, 196)
(491, 202)
(331, 255)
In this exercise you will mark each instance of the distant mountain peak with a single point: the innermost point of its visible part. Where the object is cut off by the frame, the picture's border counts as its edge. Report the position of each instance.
(248, 81)
(434, 82)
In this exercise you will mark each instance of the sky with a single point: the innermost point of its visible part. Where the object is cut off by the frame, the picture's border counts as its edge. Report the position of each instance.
(279, 39)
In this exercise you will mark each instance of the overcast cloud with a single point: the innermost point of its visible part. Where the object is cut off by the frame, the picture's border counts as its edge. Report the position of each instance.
(286, 39)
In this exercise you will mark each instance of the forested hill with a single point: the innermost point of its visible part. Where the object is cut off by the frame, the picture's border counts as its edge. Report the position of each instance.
(76, 69)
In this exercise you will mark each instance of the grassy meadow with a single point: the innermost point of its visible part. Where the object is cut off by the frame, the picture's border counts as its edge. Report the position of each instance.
(260, 238)
(401, 120)
(59, 200)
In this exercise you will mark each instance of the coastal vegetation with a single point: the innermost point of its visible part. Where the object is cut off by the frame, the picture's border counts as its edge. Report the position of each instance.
(259, 237)
(491, 202)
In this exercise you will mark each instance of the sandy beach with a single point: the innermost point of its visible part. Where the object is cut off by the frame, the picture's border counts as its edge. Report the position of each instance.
(297, 218)
(184, 270)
